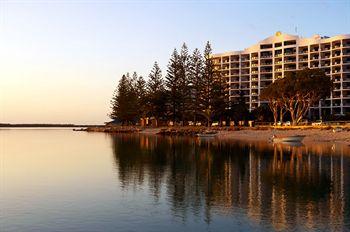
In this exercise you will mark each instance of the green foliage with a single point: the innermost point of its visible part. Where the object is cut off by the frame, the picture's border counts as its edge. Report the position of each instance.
(213, 93)
(124, 104)
(172, 83)
(297, 92)
(196, 72)
(263, 113)
(238, 110)
(156, 96)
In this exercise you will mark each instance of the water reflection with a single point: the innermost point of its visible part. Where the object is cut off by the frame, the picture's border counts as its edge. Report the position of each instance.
(284, 187)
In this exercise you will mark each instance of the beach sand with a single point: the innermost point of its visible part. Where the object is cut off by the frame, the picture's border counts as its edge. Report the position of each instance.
(311, 135)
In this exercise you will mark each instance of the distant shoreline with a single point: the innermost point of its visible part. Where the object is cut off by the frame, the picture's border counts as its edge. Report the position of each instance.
(9, 125)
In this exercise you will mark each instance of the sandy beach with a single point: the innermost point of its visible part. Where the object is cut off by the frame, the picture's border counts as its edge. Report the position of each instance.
(311, 135)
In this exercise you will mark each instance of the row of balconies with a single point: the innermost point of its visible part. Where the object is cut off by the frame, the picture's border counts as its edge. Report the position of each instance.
(336, 62)
(288, 63)
(313, 65)
(327, 56)
(302, 50)
(277, 70)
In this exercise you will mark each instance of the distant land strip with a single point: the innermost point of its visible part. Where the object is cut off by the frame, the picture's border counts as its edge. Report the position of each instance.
(45, 125)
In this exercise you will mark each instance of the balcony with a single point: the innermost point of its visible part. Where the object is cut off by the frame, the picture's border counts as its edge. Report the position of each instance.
(303, 60)
(289, 69)
(266, 64)
(289, 61)
(265, 71)
(266, 78)
(289, 53)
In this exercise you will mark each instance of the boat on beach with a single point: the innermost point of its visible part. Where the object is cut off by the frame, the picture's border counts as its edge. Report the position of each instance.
(207, 134)
(288, 139)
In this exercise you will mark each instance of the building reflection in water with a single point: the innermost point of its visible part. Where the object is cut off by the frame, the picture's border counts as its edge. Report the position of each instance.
(288, 186)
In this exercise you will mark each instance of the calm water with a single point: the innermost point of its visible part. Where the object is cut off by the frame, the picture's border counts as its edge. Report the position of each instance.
(60, 180)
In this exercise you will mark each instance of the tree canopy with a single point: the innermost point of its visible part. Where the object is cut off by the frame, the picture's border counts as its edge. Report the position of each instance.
(297, 92)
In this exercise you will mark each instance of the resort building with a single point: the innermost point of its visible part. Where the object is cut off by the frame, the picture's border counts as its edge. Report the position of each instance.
(256, 67)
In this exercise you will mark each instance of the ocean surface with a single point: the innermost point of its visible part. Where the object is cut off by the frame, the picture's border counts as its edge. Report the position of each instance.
(61, 180)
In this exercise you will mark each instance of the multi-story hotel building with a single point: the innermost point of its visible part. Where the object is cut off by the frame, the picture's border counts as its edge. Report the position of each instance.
(256, 67)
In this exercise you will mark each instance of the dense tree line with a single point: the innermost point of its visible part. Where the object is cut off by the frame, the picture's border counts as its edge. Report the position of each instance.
(192, 89)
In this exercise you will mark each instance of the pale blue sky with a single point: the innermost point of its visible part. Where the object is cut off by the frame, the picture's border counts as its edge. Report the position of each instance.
(61, 60)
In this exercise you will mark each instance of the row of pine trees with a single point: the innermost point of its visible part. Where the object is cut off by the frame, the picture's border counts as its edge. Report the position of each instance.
(191, 90)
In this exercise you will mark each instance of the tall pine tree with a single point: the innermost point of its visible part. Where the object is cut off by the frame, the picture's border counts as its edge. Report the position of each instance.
(124, 102)
(172, 83)
(209, 80)
(141, 91)
(156, 93)
(184, 83)
(196, 71)
(214, 90)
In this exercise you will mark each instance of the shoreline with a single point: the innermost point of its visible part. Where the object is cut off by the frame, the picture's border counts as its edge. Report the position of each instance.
(312, 135)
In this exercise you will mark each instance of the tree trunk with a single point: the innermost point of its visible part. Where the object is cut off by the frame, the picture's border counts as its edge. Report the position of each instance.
(281, 115)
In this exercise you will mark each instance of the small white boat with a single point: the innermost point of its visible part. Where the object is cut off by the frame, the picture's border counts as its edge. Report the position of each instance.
(288, 139)
(207, 134)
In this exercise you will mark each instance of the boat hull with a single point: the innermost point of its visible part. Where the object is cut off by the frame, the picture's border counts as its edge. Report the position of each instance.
(289, 139)
(206, 135)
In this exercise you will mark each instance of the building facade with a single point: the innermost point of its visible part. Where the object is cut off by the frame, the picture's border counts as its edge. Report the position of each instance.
(250, 70)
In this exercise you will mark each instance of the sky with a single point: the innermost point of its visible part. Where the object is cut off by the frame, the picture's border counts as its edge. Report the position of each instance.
(60, 61)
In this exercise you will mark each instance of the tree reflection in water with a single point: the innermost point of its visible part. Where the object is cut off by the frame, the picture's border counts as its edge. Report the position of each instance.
(291, 187)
